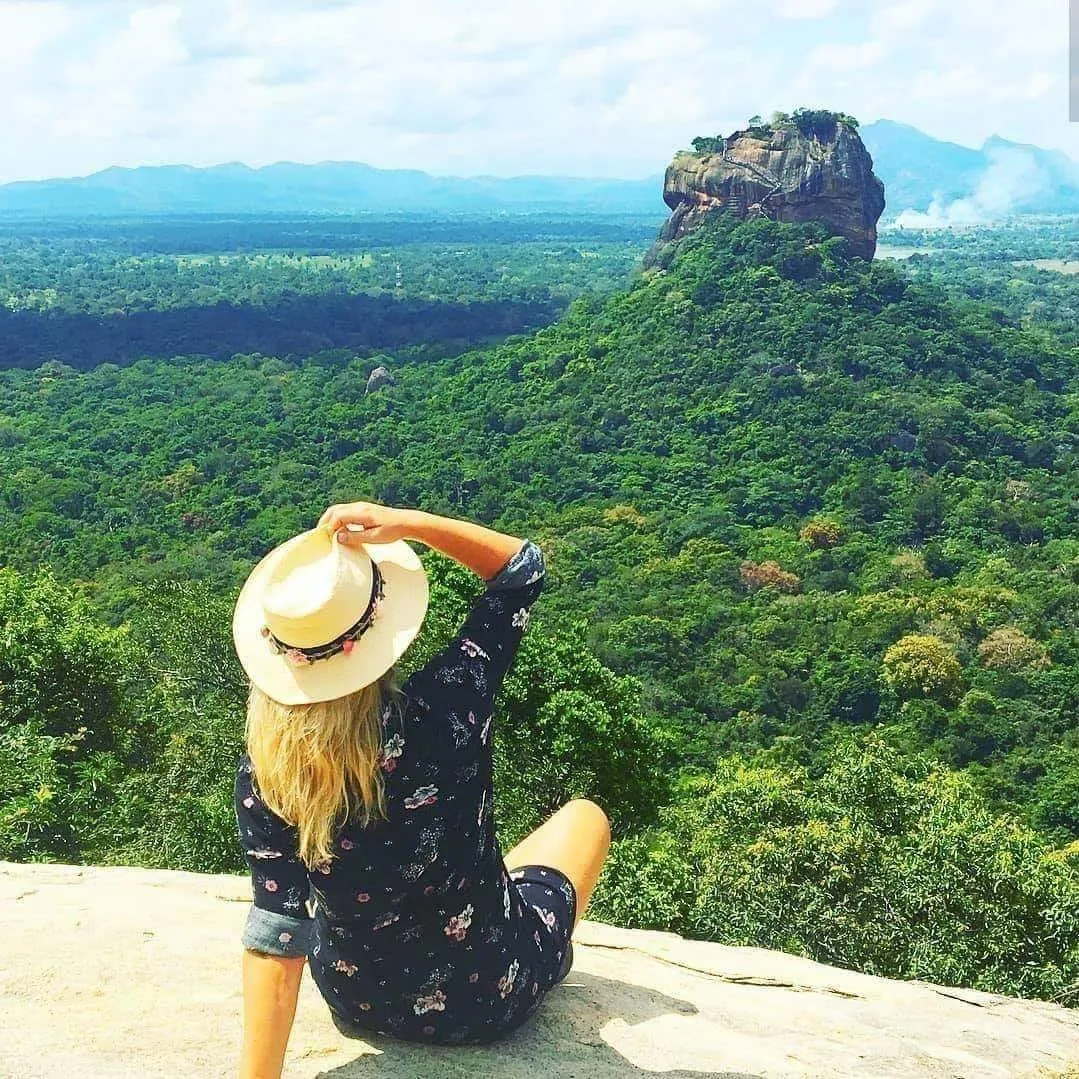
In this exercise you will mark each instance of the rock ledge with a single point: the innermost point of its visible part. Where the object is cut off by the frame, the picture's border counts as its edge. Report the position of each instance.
(118, 972)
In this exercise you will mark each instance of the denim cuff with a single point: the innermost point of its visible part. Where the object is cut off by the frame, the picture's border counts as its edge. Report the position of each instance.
(524, 568)
(277, 934)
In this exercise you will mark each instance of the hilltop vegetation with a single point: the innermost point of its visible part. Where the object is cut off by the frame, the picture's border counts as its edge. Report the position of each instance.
(811, 529)
(815, 123)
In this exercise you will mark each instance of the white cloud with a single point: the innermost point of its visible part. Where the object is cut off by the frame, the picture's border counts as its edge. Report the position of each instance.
(611, 87)
(842, 57)
(805, 9)
(26, 28)
(897, 18)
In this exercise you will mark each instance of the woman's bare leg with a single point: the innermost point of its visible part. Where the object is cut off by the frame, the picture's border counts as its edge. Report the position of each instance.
(574, 841)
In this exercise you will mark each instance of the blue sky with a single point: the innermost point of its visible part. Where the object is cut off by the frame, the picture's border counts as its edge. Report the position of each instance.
(608, 87)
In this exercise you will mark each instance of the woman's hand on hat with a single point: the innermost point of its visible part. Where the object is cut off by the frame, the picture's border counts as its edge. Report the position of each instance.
(377, 524)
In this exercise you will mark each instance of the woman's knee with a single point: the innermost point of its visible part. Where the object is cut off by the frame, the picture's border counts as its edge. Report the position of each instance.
(585, 810)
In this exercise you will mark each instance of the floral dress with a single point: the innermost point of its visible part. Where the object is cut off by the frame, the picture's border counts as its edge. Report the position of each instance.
(418, 931)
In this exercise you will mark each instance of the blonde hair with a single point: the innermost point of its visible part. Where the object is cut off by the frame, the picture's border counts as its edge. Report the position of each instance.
(318, 764)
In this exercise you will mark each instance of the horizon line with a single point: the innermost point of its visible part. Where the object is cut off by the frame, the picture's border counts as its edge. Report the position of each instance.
(334, 161)
(645, 178)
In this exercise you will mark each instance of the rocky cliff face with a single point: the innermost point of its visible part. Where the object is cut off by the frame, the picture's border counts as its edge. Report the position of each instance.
(783, 174)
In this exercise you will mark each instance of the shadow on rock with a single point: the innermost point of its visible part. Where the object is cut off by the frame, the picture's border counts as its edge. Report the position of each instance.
(564, 1039)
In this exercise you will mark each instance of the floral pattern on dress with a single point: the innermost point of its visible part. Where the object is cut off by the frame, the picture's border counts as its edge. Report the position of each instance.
(392, 748)
(427, 846)
(459, 728)
(473, 650)
(436, 1002)
(505, 983)
(422, 796)
(547, 917)
(457, 927)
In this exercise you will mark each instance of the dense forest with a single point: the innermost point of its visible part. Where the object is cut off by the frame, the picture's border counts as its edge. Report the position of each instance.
(811, 528)
(115, 294)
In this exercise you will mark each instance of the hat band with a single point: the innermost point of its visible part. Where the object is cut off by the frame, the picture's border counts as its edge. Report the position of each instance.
(300, 657)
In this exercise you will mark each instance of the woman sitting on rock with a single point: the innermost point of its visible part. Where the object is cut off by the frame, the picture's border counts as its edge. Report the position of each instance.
(365, 809)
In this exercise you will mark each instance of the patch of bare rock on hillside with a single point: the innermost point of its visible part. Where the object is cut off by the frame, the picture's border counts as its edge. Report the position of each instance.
(110, 973)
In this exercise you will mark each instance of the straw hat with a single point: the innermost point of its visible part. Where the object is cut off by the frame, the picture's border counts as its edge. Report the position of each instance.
(318, 619)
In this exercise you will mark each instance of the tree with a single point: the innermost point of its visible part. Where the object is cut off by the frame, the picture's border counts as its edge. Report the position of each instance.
(921, 665)
(821, 533)
(1009, 648)
(708, 145)
(769, 574)
(873, 860)
(821, 122)
(67, 730)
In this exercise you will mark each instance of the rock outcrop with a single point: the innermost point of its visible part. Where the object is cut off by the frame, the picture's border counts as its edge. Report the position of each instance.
(780, 172)
(379, 377)
(114, 973)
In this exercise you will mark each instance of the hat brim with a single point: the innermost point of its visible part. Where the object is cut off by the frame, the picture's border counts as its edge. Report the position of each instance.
(400, 616)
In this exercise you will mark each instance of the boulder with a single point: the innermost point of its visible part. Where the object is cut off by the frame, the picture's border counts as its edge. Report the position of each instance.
(778, 171)
(107, 973)
(379, 377)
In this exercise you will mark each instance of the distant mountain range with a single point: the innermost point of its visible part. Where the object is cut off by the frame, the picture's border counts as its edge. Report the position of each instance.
(930, 182)
(328, 187)
(927, 182)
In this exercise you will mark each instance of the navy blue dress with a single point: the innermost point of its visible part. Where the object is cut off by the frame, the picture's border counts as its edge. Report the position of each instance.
(418, 931)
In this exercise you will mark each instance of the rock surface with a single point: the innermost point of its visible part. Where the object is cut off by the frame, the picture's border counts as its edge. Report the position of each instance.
(117, 973)
(380, 376)
(782, 174)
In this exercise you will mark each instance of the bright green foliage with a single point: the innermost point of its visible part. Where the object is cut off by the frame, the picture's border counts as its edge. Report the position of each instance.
(1056, 811)
(879, 862)
(66, 731)
(122, 746)
(567, 726)
(178, 813)
(921, 665)
(30, 778)
(227, 270)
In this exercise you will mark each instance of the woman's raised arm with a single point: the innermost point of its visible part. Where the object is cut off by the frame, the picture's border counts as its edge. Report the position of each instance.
(480, 549)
